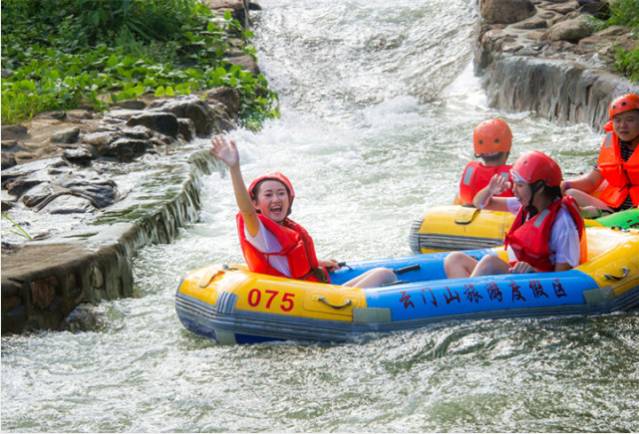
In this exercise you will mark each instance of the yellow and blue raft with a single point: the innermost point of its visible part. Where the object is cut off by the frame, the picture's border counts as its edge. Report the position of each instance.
(230, 304)
(454, 227)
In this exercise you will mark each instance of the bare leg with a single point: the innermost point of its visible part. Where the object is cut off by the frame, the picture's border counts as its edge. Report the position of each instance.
(373, 278)
(459, 265)
(489, 265)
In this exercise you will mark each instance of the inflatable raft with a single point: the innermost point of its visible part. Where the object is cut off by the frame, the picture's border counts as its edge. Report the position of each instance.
(455, 227)
(231, 305)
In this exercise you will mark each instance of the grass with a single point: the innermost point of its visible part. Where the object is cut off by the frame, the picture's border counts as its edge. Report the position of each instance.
(64, 54)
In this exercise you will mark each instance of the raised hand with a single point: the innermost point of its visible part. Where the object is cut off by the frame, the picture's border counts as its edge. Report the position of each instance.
(498, 184)
(225, 150)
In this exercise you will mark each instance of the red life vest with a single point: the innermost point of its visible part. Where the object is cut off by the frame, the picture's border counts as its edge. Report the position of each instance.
(622, 176)
(297, 245)
(530, 238)
(477, 176)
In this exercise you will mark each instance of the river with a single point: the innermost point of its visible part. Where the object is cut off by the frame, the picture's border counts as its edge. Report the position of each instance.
(378, 104)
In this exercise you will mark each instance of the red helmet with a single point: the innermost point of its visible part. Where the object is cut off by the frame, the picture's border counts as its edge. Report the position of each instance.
(536, 166)
(492, 136)
(623, 104)
(276, 176)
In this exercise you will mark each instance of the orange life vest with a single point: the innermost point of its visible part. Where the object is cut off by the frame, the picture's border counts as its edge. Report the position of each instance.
(530, 238)
(477, 176)
(622, 176)
(297, 245)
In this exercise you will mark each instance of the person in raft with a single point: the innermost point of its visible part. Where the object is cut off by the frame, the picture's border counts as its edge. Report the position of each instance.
(548, 231)
(613, 185)
(271, 242)
(492, 140)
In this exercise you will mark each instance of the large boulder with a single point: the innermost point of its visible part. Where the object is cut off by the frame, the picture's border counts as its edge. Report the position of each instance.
(571, 30)
(506, 11)
(162, 122)
(191, 108)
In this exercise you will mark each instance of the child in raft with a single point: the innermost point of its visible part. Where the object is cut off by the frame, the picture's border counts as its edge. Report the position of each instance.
(492, 140)
(271, 242)
(613, 185)
(548, 231)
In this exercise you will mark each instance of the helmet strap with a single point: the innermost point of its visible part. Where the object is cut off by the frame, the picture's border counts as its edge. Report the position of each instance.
(535, 187)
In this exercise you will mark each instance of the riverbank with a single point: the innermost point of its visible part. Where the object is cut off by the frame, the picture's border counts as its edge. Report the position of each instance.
(545, 57)
(84, 191)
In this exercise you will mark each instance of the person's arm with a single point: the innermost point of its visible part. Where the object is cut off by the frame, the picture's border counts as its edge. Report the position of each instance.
(586, 183)
(226, 151)
(484, 198)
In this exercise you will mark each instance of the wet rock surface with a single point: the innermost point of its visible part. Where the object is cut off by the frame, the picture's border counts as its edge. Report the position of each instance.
(85, 190)
(552, 62)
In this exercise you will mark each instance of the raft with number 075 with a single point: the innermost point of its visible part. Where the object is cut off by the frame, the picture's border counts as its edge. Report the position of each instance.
(230, 304)
(454, 227)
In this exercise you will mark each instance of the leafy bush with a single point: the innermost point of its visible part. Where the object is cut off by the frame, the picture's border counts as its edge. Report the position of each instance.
(626, 13)
(62, 54)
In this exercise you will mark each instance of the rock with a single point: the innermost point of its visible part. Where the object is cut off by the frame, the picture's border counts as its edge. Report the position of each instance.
(237, 8)
(67, 204)
(43, 291)
(535, 22)
(117, 116)
(69, 135)
(186, 129)
(139, 132)
(100, 139)
(506, 11)
(8, 160)
(163, 122)
(6, 206)
(81, 155)
(11, 146)
(25, 157)
(254, 7)
(132, 104)
(19, 186)
(228, 96)
(82, 319)
(57, 115)
(192, 108)
(39, 194)
(570, 30)
(80, 114)
(599, 9)
(564, 8)
(249, 64)
(125, 149)
(14, 132)
(100, 192)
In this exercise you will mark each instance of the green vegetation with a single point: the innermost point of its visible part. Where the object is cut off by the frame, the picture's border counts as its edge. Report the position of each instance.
(63, 54)
(16, 228)
(626, 13)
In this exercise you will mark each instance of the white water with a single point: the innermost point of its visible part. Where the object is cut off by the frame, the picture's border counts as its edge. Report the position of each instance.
(378, 105)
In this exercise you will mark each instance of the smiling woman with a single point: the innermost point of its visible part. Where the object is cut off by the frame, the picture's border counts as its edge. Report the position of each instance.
(271, 242)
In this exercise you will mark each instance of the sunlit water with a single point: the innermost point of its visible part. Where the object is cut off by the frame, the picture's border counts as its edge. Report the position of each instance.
(378, 104)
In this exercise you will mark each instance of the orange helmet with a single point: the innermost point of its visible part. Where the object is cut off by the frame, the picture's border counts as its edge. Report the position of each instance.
(536, 166)
(623, 104)
(492, 136)
(276, 176)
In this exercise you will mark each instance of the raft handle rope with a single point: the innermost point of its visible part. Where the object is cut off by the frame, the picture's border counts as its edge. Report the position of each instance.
(625, 272)
(323, 299)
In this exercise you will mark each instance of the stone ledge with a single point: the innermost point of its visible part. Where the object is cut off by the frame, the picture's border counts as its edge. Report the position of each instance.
(530, 65)
(553, 89)
(42, 282)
